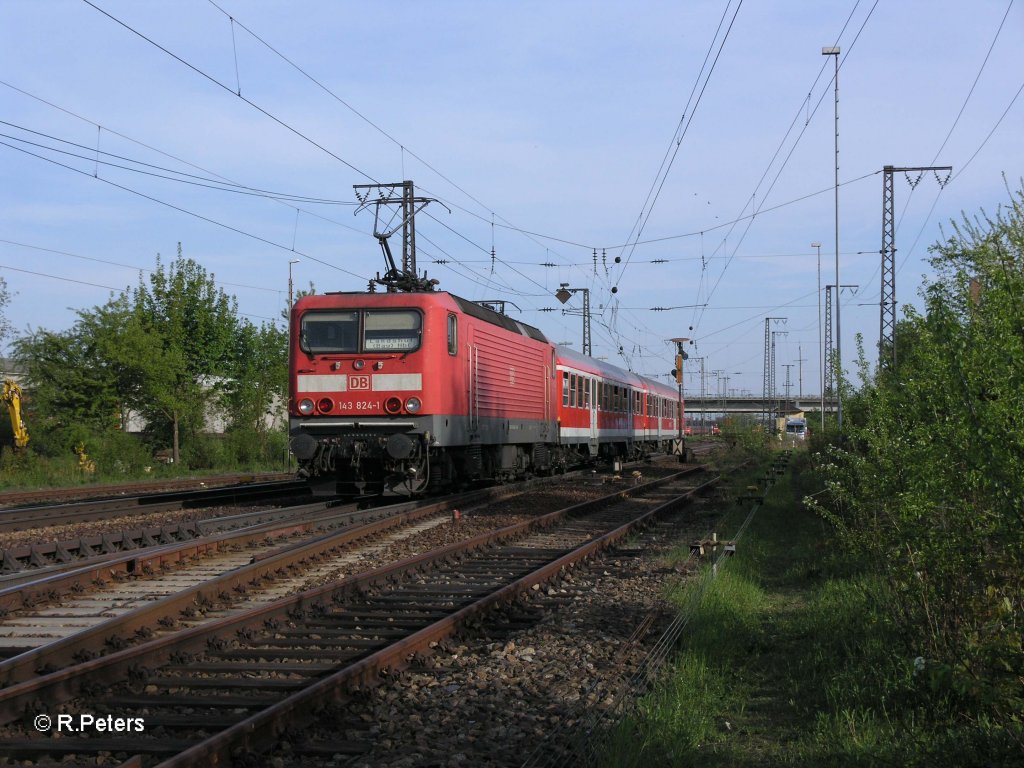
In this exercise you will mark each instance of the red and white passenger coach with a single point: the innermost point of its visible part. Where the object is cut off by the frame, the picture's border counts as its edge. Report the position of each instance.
(406, 391)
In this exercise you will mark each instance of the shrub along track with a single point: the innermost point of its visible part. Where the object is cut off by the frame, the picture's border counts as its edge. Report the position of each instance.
(241, 680)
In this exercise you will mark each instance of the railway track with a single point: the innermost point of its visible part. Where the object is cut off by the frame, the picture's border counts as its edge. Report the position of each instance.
(106, 605)
(47, 515)
(238, 675)
(118, 490)
(46, 620)
(55, 555)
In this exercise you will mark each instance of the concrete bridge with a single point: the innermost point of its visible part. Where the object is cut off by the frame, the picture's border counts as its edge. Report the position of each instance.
(780, 405)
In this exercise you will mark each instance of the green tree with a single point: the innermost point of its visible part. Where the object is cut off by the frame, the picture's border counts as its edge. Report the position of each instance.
(259, 376)
(73, 390)
(171, 349)
(178, 347)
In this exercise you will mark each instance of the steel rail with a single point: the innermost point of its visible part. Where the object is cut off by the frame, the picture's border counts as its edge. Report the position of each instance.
(120, 490)
(67, 683)
(95, 639)
(260, 731)
(24, 518)
(118, 630)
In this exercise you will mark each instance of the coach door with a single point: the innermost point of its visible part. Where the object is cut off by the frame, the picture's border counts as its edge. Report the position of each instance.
(591, 401)
(645, 398)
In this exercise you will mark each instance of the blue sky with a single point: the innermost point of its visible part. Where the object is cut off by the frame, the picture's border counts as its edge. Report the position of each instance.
(691, 141)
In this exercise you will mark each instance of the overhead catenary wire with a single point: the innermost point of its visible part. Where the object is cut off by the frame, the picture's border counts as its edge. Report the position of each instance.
(132, 267)
(188, 212)
(681, 130)
(401, 145)
(755, 211)
(227, 88)
(223, 86)
(715, 260)
(168, 173)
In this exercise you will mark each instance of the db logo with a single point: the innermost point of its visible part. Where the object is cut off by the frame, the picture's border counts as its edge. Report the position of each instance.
(358, 382)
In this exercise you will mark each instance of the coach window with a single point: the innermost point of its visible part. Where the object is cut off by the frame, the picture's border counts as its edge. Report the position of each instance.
(586, 392)
(327, 332)
(565, 388)
(580, 384)
(394, 330)
(453, 335)
(572, 391)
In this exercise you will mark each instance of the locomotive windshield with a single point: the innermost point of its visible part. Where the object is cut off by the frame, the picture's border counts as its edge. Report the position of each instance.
(391, 330)
(326, 332)
(339, 332)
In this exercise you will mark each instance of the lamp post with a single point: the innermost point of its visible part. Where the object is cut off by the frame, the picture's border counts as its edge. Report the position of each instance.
(821, 354)
(680, 357)
(839, 345)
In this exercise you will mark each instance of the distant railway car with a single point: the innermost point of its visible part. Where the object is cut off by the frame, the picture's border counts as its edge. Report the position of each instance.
(410, 391)
(796, 428)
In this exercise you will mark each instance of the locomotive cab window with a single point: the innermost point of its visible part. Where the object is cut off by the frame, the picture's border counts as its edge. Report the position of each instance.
(453, 334)
(391, 330)
(327, 332)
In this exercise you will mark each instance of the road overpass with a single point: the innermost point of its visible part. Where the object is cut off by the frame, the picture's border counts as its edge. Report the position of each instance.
(781, 405)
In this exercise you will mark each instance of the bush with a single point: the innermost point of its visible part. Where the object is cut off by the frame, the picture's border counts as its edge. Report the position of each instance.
(928, 486)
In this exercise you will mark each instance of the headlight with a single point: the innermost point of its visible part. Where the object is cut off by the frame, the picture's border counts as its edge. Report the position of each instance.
(325, 405)
(305, 406)
(393, 405)
(413, 405)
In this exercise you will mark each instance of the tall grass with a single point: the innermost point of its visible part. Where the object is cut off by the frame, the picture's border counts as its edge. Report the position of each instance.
(791, 657)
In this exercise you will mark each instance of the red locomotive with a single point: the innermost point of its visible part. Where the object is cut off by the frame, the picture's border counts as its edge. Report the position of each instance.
(410, 391)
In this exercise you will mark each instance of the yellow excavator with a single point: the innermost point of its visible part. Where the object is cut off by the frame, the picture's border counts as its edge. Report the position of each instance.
(12, 396)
